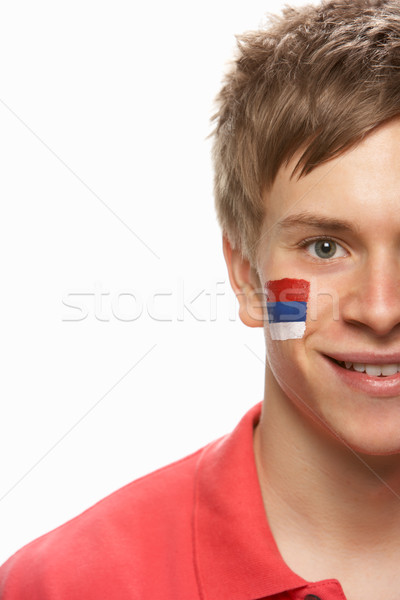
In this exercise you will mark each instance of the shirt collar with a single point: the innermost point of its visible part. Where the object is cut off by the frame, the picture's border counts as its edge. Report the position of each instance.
(236, 555)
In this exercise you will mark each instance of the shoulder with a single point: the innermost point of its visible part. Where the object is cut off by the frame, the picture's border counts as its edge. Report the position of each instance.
(114, 546)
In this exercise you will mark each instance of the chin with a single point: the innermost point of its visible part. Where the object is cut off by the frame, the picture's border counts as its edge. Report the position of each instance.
(365, 435)
(376, 443)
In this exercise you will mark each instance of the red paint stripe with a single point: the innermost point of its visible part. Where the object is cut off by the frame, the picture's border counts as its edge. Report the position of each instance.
(286, 290)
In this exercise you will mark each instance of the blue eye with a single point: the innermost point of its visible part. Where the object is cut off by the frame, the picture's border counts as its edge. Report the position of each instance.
(325, 248)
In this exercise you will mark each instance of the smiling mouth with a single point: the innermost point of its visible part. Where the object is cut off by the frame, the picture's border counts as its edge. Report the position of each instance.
(373, 370)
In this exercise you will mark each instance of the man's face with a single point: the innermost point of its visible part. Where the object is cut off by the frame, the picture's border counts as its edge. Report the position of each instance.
(339, 229)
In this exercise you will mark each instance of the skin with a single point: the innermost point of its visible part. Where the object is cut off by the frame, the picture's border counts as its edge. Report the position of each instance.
(328, 457)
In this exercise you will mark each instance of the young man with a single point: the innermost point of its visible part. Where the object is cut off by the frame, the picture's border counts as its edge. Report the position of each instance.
(302, 500)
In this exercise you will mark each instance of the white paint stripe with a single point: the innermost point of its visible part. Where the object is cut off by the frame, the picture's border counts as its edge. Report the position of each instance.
(293, 330)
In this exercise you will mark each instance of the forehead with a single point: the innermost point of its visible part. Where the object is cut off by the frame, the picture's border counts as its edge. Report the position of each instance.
(362, 182)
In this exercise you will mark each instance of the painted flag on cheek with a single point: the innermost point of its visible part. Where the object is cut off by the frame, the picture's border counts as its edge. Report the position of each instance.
(287, 307)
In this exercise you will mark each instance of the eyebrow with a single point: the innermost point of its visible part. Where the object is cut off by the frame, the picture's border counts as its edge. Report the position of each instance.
(307, 219)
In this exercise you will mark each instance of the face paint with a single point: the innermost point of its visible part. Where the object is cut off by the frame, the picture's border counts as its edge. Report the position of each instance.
(287, 308)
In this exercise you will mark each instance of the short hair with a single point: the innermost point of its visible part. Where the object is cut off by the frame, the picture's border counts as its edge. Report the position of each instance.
(318, 78)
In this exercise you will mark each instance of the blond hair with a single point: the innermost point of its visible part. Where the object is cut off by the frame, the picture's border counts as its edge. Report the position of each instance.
(318, 77)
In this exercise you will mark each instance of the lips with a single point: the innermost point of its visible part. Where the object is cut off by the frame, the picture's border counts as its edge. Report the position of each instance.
(373, 358)
(376, 385)
(375, 370)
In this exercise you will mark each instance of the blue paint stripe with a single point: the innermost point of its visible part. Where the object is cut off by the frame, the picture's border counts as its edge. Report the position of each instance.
(284, 312)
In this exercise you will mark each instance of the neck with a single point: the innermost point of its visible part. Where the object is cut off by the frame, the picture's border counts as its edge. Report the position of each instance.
(314, 485)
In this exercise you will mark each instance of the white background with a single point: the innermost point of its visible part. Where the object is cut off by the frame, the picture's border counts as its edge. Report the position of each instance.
(106, 201)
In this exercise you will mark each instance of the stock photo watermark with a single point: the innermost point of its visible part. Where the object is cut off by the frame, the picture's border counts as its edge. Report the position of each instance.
(180, 302)
(167, 304)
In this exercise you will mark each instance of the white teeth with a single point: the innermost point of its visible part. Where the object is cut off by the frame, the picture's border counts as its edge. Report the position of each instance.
(389, 369)
(374, 370)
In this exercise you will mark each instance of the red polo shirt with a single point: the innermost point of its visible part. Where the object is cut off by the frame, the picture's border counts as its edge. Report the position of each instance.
(193, 530)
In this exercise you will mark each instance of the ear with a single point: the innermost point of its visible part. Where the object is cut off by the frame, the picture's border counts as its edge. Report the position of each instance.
(246, 286)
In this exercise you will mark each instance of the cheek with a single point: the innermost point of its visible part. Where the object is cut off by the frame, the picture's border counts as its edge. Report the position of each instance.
(287, 301)
(322, 310)
(288, 325)
(279, 355)
(287, 370)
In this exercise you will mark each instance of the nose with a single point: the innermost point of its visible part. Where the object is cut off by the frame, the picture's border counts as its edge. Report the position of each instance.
(373, 300)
